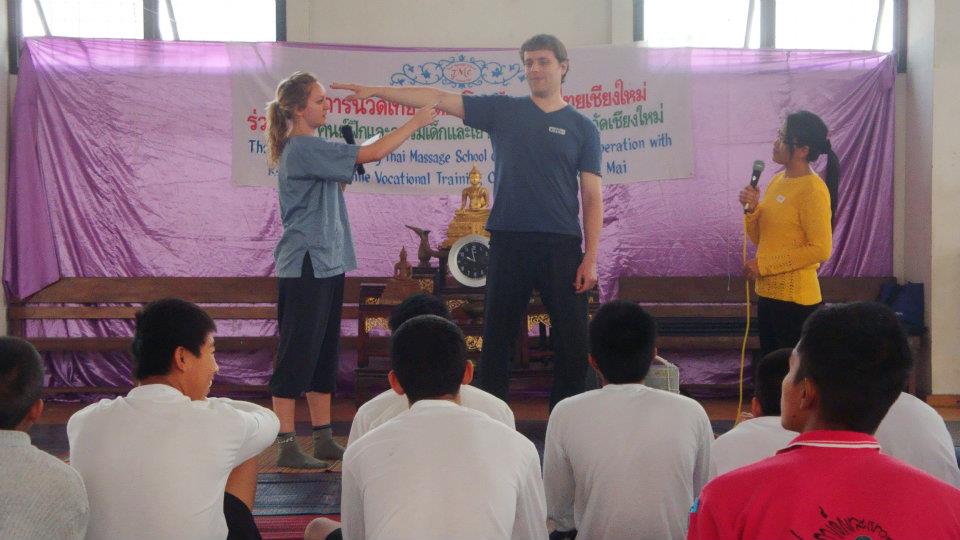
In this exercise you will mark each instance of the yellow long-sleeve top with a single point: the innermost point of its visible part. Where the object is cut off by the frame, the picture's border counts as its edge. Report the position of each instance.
(792, 230)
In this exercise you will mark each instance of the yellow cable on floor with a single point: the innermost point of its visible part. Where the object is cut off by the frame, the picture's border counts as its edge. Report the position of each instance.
(746, 333)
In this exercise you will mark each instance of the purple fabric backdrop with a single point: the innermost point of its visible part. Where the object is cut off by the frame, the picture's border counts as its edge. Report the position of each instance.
(120, 166)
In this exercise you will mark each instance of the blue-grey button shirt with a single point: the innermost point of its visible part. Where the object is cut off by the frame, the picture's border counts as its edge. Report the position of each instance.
(312, 207)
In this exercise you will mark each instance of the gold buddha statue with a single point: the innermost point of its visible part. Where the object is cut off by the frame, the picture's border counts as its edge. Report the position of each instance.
(471, 217)
(476, 195)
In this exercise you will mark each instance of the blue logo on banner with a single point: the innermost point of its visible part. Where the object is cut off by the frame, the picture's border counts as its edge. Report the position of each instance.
(458, 72)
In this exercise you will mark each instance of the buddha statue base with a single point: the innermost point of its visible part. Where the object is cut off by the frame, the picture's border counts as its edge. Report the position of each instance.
(466, 222)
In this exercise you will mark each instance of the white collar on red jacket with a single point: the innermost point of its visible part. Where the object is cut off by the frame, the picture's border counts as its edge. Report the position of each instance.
(849, 440)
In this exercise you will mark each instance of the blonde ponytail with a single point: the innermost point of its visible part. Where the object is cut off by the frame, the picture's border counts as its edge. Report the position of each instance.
(277, 130)
(292, 93)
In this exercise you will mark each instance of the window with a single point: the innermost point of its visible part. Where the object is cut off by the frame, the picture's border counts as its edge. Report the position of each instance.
(832, 24)
(218, 20)
(198, 20)
(698, 23)
(83, 18)
(796, 24)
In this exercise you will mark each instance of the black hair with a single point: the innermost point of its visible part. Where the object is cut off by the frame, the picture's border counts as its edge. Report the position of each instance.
(768, 377)
(803, 128)
(417, 304)
(622, 341)
(857, 355)
(21, 380)
(429, 357)
(547, 42)
(161, 327)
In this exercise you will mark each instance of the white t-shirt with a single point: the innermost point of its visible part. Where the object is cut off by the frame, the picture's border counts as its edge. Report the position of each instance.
(625, 461)
(912, 432)
(747, 443)
(155, 463)
(442, 471)
(915, 432)
(389, 404)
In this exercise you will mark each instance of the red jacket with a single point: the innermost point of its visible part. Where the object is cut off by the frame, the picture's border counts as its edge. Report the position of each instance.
(829, 485)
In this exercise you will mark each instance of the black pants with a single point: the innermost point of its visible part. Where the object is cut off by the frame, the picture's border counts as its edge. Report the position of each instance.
(240, 524)
(780, 323)
(308, 313)
(519, 263)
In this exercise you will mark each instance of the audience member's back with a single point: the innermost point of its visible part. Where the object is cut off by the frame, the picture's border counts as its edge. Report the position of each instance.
(156, 461)
(763, 435)
(915, 433)
(389, 404)
(832, 481)
(625, 461)
(911, 431)
(439, 470)
(40, 496)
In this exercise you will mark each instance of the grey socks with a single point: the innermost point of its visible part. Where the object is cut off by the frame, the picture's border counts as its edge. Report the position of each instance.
(324, 447)
(290, 455)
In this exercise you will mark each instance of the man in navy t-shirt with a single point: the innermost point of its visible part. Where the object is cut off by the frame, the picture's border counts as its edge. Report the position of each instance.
(547, 154)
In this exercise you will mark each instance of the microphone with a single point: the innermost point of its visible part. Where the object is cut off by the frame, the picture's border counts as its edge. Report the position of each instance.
(347, 132)
(758, 166)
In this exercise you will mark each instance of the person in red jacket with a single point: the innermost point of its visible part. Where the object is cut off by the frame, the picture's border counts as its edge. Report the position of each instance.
(832, 481)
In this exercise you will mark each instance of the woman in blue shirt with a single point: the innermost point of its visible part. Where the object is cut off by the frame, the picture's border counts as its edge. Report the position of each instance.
(314, 253)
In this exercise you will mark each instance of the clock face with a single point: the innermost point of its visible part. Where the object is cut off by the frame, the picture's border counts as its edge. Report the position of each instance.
(468, 260)
(472, 260)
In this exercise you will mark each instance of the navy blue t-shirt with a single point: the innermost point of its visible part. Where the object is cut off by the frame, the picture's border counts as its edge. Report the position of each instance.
(538, 158)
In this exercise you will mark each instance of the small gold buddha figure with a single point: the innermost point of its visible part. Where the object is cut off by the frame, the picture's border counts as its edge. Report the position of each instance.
(471, 217)
(475, 197)
(402, 269)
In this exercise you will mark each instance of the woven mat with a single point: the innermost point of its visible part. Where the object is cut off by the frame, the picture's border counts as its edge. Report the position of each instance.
(280, 494)
(284, 527)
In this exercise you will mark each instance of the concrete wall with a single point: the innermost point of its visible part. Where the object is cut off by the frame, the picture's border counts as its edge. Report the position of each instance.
(945, 199)
(928, 187)
(440, 23)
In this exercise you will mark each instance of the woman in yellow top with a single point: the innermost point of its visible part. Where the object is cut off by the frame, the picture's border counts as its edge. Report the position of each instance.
(792, 227)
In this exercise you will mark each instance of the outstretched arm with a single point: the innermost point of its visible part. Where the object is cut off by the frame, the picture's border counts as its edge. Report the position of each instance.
(391, 141)
(448, 102)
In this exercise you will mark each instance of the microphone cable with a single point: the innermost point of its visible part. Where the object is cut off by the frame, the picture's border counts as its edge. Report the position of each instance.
(746, 332)
(758, 167)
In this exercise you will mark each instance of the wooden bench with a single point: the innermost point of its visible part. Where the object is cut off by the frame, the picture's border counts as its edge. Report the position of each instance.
(693, 313)
(224, 298)
(709, 312)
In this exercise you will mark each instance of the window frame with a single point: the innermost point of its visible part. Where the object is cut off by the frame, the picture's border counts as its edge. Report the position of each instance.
(768, 26)
(151, 26)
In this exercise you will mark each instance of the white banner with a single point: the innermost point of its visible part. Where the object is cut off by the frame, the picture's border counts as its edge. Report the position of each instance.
(638, 98)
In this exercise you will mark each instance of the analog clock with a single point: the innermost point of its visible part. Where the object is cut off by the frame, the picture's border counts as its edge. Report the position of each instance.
(468, 260)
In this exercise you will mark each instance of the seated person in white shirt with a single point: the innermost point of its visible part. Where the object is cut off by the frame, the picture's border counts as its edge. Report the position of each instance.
(165, 461)
(40, 495)
(389, 404)
(832, 481)
(914, 432)
(626, 460)
(439, 470)
(762, 435)
(911, 431)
